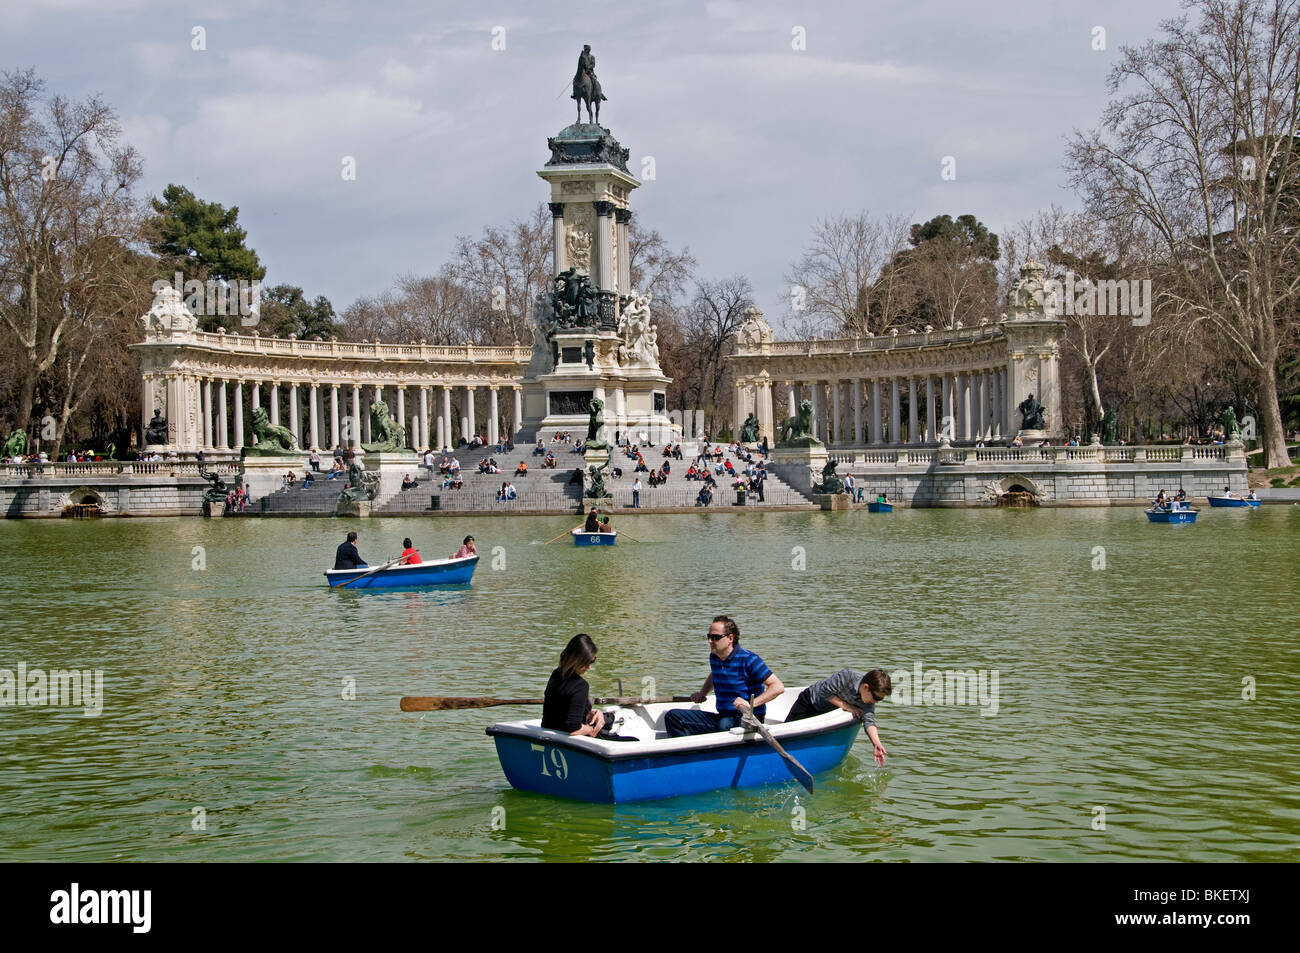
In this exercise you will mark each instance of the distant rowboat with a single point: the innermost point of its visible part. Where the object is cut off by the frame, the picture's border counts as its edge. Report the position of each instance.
(440, 572)
(1174, 513)
(879, 506)
(1232, 501)
(583, 538)
(656, 766)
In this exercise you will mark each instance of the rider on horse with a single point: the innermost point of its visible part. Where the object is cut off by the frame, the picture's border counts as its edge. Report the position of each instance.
(586, 88)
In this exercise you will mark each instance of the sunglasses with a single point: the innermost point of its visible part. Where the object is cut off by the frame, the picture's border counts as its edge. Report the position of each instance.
(713, 638)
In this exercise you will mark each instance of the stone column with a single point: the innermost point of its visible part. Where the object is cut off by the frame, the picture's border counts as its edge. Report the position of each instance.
(557, 237)
(274, 409)
(835, 414)
(602, 248)
(961, 426)
(239, 414)
(295, 423)
(313, 408)
(986, 406)
(493, 437)
(467, 417)
(895, 412)
(518, 419)
(378, 398)
(765, 422)
(422, 441)
(949, 415)
(444, 419)
(930, 431)
(622, 218)
(206, 408)
(334, 416)
(401, 407)
(354, 438)
(223, 426)
(912, 436)
(791, 400)
(256, 396)
(857, 410)
(874, 415)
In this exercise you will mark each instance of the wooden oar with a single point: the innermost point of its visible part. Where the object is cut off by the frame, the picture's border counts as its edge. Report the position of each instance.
(549, 541)
(349, 582)
(455, 703)
(799, 772)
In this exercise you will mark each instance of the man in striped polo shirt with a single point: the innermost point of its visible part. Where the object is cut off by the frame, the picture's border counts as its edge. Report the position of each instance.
(736, 675)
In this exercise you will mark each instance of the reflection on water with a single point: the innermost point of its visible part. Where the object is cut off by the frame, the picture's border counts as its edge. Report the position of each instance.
(227, 687)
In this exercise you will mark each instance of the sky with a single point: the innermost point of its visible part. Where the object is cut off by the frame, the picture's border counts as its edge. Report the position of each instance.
(761, 118)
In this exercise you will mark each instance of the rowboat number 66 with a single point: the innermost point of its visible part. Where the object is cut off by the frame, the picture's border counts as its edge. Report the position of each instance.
(558, 762)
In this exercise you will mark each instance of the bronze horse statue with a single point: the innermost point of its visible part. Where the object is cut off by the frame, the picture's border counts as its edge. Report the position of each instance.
(586, 88)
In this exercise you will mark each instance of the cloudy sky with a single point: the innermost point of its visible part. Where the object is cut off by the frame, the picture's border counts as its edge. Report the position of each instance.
(752, 140)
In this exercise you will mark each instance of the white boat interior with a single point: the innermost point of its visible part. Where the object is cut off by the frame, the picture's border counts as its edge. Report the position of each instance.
(646, 724)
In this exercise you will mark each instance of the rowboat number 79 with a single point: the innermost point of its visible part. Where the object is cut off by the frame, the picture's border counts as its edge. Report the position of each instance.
(557, 760)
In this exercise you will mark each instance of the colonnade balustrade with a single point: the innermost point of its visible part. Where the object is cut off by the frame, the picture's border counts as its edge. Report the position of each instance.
(329, 415)
(894, 410)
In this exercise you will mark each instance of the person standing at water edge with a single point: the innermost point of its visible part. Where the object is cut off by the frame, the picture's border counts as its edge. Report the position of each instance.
(346, 556)
(636, 493)
(735, 675)
(851, 691)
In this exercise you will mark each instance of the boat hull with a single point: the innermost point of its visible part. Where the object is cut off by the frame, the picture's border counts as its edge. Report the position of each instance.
(442, 572)
(585, 769)
(594, 539)
(1220, 501)
(1171, 516)
(877, 507)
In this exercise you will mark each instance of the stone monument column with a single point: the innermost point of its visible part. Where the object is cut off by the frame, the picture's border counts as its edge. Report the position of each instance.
(295, 418)
(444, 421)
(313, 408)
(875, 416)
(558, 237)
(239, 414)
(949, 414)
(603, 250)
(256, 396)
(765, 422)
(207, 413)
(623, 218)
(518, 419)
(423, 438)
(895, 413)
(835, 414)
(354, 438)
(857, 411)
(469, 418)
(401, 407)
(223, 428)
(334, 416)
(912, 436)
(791, 401)
(493, 437)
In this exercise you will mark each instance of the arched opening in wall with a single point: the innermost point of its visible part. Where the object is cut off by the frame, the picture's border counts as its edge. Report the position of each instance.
(1018, 491)
(83, 503)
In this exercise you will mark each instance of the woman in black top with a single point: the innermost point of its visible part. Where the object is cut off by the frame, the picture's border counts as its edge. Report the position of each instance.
(567, 706)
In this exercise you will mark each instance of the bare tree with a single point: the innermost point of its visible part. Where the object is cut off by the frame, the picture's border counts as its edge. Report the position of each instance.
(1200, 141)
(838, 285)
(67, 229)
(502, 272)
(708, 328)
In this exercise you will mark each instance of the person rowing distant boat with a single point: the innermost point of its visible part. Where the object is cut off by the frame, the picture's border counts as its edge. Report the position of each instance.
(593, 522)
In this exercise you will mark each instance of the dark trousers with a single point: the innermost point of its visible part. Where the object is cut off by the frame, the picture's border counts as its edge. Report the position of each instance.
(681, 722)
(802, 708)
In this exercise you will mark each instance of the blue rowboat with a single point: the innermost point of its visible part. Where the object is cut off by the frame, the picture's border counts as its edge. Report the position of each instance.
(440, 572)
(656, 766)
(1232, 501)
(581, 538)
(1172, 514)
(875, 506)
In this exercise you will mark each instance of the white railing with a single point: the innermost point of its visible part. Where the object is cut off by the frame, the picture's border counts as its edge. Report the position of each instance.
(115, 468)
(881, 342)
(255, 344)
(1015, 456)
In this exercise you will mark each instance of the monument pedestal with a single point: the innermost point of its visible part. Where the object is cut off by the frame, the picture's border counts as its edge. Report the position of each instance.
(392, 466)
(358, 509)
(1031, 438)
(264, 475)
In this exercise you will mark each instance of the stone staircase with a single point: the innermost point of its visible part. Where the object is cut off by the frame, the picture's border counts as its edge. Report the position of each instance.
(319, 499)
(548, 490)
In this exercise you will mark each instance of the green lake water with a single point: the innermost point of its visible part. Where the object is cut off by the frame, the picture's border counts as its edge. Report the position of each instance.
(1119, 689)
